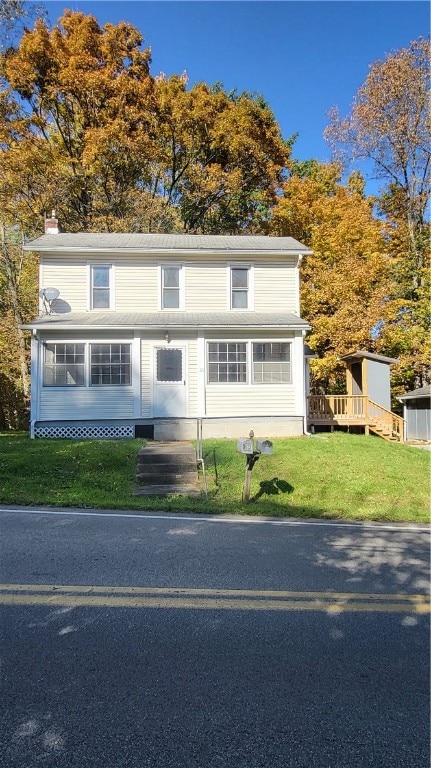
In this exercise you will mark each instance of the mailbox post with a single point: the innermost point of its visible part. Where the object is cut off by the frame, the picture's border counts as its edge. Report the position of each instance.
(252, 450)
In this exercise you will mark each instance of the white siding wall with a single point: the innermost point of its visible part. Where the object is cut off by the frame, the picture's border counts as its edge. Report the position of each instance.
(146, 379)
(275, 289)
(244, 400)
(137, 282)
(79, 403)
(70, 278)
(207, 288)
(136, 287)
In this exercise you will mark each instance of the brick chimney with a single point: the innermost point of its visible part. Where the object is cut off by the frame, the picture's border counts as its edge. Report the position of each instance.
(51, 225)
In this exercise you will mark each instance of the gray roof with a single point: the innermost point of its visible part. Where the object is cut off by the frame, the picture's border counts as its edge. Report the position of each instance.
(417, 393)
(141, 243)
(361, 353)
(129, 320)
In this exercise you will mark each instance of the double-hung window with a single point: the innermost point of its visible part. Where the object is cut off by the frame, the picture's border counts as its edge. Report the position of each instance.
(271, 362)
(171, 287)
(240, 287)
(227, 362)
(100, 286)
(110, 364)
(64, 365)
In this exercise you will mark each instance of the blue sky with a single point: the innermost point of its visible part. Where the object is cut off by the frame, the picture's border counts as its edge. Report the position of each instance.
(303, 57)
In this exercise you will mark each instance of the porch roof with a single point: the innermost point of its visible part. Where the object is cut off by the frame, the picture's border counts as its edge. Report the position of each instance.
(135, 320)
(361, 353)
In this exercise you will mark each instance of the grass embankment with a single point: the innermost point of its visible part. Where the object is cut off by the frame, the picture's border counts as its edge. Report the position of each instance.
(331, 476)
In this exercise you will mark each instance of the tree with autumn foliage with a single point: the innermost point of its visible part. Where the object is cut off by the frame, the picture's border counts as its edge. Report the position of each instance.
(112, 148)
(344, 282)
(389, 124)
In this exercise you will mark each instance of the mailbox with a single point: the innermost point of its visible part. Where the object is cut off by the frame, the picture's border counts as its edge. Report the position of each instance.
(245, 445)
(264, 446)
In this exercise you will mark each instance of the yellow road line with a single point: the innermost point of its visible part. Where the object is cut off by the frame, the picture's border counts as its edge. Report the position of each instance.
(236, 600)
(172, 591)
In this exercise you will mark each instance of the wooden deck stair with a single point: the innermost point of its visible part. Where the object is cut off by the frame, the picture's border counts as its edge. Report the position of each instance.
(355, 410)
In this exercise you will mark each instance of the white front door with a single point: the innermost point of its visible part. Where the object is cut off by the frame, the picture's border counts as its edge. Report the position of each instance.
(169, 381)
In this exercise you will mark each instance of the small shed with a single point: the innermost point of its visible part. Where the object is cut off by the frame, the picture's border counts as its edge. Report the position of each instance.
(417, 413)
(368, 374)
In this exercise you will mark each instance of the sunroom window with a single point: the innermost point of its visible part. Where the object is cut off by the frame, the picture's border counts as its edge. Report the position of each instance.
(64, 365)
(110, 364)
(271, 363)
(227, 362)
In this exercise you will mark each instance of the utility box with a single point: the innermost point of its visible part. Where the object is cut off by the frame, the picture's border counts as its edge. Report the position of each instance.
(245, 445)
(264, 447)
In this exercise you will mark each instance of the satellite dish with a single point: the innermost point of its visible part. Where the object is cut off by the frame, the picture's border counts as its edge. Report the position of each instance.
(48, 295)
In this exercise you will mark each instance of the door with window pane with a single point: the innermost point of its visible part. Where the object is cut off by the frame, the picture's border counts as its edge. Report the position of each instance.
(169, 382)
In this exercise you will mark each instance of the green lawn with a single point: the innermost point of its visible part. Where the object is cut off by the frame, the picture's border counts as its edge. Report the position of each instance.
(331, 476)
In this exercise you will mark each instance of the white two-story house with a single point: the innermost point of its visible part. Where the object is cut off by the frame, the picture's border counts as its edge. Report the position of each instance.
(144, 334)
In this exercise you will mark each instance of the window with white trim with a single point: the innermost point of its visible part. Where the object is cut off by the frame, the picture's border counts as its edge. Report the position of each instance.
(240, 287)
(100, 286)
(227, 362)
(64, 365)
(171, 286)
(271, 362)
(110, 365)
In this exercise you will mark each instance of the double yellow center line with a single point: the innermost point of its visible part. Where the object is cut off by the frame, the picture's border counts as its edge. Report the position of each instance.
(210, 599)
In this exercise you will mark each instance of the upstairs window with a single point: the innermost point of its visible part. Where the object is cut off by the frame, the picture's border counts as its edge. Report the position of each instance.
(64, 365)
(110, 365)
(271, 363)
(171, 284)
(240, 288)
(100, 287)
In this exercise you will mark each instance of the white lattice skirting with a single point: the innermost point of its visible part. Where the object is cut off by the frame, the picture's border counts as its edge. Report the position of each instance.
(84, 432)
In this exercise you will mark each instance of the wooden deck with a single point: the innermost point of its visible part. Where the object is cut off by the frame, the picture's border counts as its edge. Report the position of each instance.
(354, 410)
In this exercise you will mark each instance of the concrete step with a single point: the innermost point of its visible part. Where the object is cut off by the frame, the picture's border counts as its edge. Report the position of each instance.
(167, 490)
(166, 468)
(152, 476)
(166, 462)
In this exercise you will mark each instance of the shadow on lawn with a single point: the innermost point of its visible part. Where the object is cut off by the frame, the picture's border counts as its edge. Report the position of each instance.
(272, 487)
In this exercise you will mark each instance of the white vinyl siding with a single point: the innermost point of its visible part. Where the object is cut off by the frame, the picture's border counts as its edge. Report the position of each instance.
(70, 279)
(206, 287)
(137, 288)
(243, 400)
(86, 403)
(275, 288)
(146, 379)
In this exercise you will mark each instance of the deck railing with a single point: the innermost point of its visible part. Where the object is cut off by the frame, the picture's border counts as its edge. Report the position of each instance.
(337, 408)
(354, 409)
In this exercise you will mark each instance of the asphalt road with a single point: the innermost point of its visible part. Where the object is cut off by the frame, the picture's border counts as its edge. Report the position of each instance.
(159, 641)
